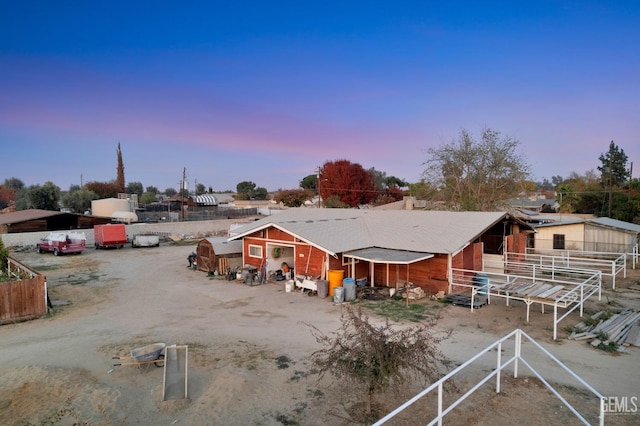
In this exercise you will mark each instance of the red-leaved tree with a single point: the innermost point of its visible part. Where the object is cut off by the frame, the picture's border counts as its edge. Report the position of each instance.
(349, 181)
(104, 189)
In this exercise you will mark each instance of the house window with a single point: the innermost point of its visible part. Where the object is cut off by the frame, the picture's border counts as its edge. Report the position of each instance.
(255, 251)
(558, 241)
(347, 260)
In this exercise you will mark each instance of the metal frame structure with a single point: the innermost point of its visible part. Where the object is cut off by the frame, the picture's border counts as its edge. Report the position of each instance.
(611, 264)
(497, 348)
(558, 287)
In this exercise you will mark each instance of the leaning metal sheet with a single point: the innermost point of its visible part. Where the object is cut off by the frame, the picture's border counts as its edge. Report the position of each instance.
(175, 383)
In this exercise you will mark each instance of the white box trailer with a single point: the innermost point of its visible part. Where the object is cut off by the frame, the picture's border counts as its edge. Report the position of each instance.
(145, 240)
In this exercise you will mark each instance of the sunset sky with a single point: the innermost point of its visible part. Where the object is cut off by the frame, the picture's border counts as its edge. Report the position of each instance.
(268, 91)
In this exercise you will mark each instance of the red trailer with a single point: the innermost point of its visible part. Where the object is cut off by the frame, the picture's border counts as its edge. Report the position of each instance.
(110, 236)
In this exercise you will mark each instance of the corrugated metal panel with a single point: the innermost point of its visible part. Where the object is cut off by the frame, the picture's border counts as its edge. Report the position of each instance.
(206, 200)
(613, 223)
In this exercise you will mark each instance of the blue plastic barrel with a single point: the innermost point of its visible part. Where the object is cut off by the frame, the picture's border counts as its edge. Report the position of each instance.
(481, 280)
(349, 285)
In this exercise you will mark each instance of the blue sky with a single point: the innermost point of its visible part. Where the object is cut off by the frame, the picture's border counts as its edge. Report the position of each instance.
(268, 91)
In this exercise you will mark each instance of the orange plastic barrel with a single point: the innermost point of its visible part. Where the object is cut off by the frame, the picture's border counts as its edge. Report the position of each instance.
(335, 279)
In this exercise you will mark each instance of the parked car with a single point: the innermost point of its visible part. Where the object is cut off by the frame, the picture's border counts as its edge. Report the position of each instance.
(62, 243)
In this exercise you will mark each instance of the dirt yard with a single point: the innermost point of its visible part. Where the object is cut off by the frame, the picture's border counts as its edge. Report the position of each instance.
(249, 349)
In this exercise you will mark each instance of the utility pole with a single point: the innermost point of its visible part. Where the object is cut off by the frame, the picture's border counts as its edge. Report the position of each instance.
(630, 180)
(184, 177)
(318, 188)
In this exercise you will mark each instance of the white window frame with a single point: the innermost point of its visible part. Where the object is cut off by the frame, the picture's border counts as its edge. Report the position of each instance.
(346, 261)
(255, 251)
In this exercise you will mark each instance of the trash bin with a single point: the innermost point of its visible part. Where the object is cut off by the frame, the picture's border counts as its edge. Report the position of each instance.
(335, 279)
(323, 288)
(349, 285)
(338, 295)
(481, 280)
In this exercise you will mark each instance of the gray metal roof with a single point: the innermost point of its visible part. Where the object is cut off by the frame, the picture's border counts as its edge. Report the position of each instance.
(613, 223)
(221, 246)
(343, 230)
(382, 255)
(602, 221)
(564, 222)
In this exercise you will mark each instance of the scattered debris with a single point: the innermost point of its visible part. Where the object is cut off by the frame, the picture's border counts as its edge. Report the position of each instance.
(610, 331)
(439, 295)
(413, 291)
(465, 300)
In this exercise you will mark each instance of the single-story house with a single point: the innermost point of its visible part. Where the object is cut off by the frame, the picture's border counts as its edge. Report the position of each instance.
(218, 254)
(389, 248)
(601, 234)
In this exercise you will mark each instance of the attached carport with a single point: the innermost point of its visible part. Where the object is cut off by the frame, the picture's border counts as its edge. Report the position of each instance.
(387, 257)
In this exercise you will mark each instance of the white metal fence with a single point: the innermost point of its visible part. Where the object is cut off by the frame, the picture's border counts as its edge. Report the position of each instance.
(563, 288)
(611, 264)
(518, 357)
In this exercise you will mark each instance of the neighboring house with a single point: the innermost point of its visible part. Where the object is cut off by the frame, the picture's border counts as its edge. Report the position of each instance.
(387, 247)
(600, 234)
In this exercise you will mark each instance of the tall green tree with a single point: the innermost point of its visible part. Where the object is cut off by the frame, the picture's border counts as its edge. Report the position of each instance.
(613, 175)
(120, 171)
(613, 168)
(310, 182)
(135, 188)
(247, 190)
(43, 197)
(474, 174)
(148, 198)
(78, 199)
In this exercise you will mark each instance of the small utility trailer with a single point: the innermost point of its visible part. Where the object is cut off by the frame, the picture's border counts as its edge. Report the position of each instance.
(145, 240)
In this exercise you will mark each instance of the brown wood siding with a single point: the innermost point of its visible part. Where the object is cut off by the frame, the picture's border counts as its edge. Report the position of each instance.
(430, 274)
(23, 299)
(478, 252)
(309, 261)
(275, 234)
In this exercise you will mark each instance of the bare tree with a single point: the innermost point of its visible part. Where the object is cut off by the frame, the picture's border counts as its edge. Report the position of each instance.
(376, 358)
(476, 175)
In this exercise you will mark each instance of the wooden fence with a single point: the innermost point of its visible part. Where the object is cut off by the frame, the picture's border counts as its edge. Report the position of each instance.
(25, 298)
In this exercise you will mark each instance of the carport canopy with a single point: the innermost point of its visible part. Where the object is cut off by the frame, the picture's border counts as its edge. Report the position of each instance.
(389, 256)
